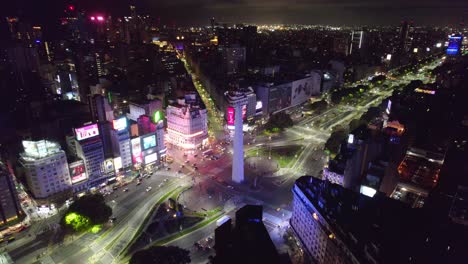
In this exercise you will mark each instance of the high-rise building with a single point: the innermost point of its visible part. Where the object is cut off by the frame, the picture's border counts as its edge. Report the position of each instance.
(187, 125)
(337, 225)
(247, 242)
(234, 59)
(121, 141)
(143, 107)
(9, 205)
(101, 110)
(89, 148)
(406, 36)
(46, 168)
(357, 38)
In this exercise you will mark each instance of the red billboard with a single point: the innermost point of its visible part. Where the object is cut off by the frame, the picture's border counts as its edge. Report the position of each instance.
(77, 171)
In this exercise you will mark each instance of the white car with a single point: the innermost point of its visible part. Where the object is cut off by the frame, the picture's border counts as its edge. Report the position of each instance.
(149, 188)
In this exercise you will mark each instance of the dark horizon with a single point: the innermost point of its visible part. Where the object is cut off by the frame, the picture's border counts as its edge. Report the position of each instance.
(185, 12)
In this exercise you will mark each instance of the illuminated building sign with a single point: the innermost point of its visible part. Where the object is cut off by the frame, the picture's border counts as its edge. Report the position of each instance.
(151, 158)
(136, 150)
(117, 164)
(350, 139)
(244, 112)
(419, 90)
(77, 171)
(259, 105)
(149, 142)
(454, 44)
(119, 124)
(87, 132)
(108, 166)
(158, 116)
(230, 116)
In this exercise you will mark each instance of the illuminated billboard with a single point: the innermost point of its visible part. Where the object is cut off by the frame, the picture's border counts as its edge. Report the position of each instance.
(230, 116)
(151, 158)
(158, 116)
(77, 171)
(149, 142)
(108, 166)
(117, 164)
(136, 150)
(87, 132)
(454, 44)
(119, 124)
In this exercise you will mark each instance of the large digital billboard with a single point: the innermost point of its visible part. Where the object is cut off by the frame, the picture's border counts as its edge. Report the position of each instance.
(77, 171)
(149, 142)
(151, 158)
(454, 44)
(119, 124)
(108, 166)
(87, 132)
(136, 150)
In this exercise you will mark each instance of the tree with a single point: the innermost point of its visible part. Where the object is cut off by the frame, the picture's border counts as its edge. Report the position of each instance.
(87, 211)
(161, 255)
(333, 143)
(279, 121)
(319, 106)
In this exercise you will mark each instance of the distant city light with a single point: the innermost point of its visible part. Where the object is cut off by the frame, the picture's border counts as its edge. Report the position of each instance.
(389, 57)
(439, 45)
(100, 18)
(92, 18)
(71, 8)
(415, 50)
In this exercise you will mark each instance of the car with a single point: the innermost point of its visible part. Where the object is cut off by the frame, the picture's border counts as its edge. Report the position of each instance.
(10, 239)
(186, 161)
(195, 168)
(195, 155)
(125, 190)
(149, 188)
(182, 166)
(168, 168)
(179, 171)
(230, 187)
(165, 180)
(138, 183)
(115, 188)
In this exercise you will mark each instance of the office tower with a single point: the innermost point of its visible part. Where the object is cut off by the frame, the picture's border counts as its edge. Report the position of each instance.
(46, 168)
(101, 111)
(143, 107)
(89, 148)
(357, 38)
(121, 141)
(406, 36)
(212, 22)
(234, 59)
(9, 205)
(249, 41)
(238, 155)
(246, 242)
(187, 125)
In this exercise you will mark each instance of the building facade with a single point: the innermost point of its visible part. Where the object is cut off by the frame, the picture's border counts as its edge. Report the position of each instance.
(9, 205)
(46, 168)
(187, 125)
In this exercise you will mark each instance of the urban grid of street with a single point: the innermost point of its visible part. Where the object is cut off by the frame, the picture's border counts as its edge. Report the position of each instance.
(131, 208)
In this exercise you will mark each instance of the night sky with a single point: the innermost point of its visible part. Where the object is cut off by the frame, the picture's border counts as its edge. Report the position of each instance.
(198, 12)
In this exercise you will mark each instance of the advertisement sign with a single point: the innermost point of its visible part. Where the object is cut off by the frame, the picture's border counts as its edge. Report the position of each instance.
(117, 164)
(119, 124)
(230, 116)
(244, 112)
(108, 166)
(87, 132)
(151, 158)
(136, 150)
(149, 142)
(77, 171)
